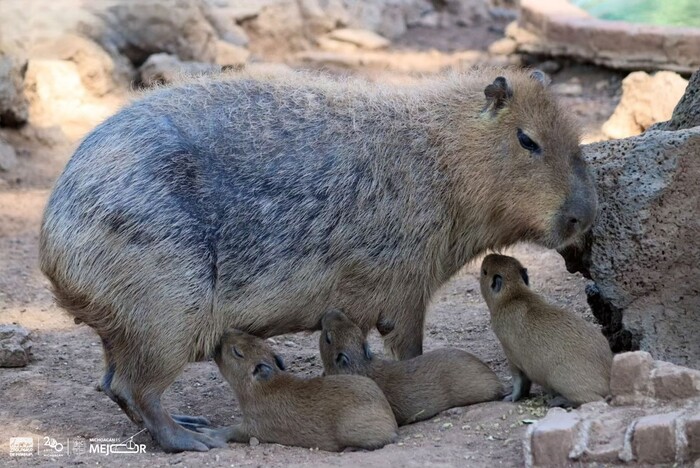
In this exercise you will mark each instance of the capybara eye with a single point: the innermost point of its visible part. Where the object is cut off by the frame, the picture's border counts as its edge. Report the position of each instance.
(237, 353)
(497, 283)
(484, 272)
(368, 353)
(527, 143)
(328, 337)
(279, 362)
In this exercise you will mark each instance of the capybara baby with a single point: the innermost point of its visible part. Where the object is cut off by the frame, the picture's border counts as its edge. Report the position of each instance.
(329, 413)
(258, 202)
(544, 344)
(417, 388)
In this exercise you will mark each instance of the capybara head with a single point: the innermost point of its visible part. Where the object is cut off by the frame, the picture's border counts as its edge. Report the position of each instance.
(344, 349)
(533, 177)
(246, 361)
(501, 277)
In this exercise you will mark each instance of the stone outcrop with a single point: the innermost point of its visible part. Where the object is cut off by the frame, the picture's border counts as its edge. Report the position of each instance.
(558, 28)
(642, 251)
(167, 68)
(646, 100)
(13, 105)
(686, 114)
(15, 346)
(652, 418)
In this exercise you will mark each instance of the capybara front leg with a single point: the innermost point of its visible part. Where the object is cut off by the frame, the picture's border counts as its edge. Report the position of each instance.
(171, 436)
(521, 385)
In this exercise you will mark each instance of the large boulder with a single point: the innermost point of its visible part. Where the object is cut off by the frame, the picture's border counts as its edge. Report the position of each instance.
(643, 250)
(177, 27)
(646, 100)
(13, 104)
(686, 114)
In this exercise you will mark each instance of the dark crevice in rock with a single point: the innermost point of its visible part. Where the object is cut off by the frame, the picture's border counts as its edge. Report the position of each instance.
(610, 317)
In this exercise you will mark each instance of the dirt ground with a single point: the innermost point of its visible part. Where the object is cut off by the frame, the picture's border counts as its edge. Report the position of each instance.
(55, 395)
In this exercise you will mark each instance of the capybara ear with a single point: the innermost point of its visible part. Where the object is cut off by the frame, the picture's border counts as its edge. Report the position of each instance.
(524, 276)
(279, 362)
(497, 283)
(262, 372)
(342, 360)
(497, 95)
(541, 77)
(368, 353)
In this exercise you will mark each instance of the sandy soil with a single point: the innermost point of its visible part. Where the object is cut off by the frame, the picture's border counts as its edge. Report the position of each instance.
(55, 395)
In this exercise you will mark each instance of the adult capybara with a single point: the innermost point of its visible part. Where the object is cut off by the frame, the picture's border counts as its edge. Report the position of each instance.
(259, 202)
(330, 413)
(544, 344)
(417, 388)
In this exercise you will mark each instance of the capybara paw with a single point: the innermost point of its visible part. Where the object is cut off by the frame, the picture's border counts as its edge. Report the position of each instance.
(509, 397)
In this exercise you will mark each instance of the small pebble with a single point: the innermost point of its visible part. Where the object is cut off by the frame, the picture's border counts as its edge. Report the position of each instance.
(254, 442)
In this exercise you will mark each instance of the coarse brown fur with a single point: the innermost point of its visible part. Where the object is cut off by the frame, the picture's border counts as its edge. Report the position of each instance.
(257, 202)
(417, 388)
(330, 413)
(544, 344)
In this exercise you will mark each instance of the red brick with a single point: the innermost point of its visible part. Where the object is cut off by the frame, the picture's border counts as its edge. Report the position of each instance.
(654, 439)
(553, 438)
(672, 382)
(630, 373)
(692, 432)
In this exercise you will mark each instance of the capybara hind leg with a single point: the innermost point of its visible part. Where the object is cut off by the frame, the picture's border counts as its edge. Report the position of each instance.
(236, 433)
(405, 340)
(192, 423)
(122, 398)
(167, 433)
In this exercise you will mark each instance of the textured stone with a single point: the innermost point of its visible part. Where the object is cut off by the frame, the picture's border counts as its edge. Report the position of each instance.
(642, 250)
(228, 55)
(686, 114)
(166, 68)
(553, 437)
(15, 346)
(672, 382)
(504, 46)
(654, 439)
(646, 100)
(630, 373)
(692, 434)
(8, 157)
(13, 105)
(361, 38)
(558, 28)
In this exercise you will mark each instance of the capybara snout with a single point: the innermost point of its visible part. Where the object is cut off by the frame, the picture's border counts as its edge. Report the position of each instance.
(247, 357)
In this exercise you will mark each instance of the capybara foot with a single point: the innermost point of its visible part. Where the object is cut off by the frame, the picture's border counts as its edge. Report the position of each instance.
(225, 434)
(178, 439)
(190, 422)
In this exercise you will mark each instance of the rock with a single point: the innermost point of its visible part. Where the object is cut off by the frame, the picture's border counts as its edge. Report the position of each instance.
(654, 439)
(646, 100)
(54, 89)
(224, 23)
(13, 105)
(96, 67)
(672, 382)
(549, 66)
(686, 114)
(552, 438)
(8, 157)
(229, 55)
(504, 46)
(568, 31)
(567, 89)
(167, 68)
(178, 27)
(643, 248)
(254, 442)
(631, 373)
(361, 38)
(15, 346)
(467, 12)
(692, 434)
